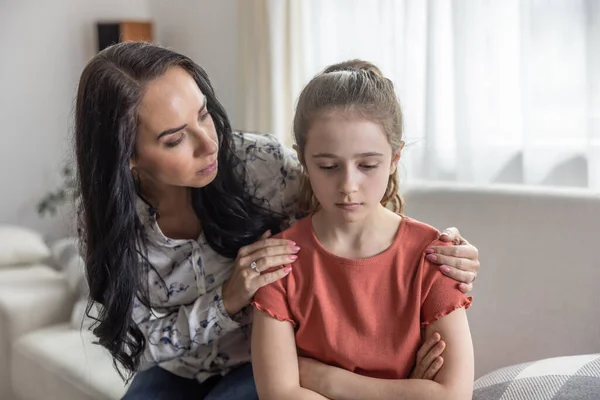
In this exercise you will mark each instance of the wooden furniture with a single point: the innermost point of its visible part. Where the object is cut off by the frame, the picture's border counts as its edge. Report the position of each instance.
(121, 31)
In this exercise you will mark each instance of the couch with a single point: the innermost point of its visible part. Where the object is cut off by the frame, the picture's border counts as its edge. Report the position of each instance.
(44, 353)
(534, 301)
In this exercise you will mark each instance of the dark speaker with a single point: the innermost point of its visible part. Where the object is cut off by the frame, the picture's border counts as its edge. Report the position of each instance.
(110, 33)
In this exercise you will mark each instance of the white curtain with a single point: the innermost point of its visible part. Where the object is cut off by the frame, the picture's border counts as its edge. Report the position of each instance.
(273, 36)
(492, 91)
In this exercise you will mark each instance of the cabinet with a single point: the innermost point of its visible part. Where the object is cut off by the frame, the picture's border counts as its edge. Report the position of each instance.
(121, 31)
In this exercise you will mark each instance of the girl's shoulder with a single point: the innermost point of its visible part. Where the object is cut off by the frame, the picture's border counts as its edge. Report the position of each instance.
(299, 231)
(413, 239)
(418, 234)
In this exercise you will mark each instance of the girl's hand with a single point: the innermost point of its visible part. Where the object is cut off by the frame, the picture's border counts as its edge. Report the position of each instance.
(429, 358)
(253, 259)
(460, 261)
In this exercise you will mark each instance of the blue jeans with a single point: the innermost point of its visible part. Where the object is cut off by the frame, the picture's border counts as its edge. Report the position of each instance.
(159, 384)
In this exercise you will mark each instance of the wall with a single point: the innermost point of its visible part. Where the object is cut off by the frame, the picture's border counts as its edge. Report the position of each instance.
(206, 31)
(44, 45)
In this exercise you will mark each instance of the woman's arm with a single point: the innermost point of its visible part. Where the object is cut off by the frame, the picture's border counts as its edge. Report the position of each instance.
(275, 361)
(453, 382)
(183, 331)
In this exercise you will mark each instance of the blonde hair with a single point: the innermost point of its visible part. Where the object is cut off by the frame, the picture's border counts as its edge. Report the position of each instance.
(356, 87)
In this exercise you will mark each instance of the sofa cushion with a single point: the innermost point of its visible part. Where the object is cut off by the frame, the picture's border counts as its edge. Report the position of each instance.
(62, 250)
(61, 363)
(560, 378)
(66, 258)
(21, 246)
(30, 298)
(27, 274)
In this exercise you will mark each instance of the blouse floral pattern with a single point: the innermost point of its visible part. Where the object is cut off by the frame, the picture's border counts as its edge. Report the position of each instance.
(188, 331)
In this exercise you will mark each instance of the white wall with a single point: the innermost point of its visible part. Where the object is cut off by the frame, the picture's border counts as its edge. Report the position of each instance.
(44, 45)
(206, 31)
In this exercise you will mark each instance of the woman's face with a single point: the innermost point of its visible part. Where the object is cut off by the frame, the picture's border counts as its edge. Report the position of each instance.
(176, 142)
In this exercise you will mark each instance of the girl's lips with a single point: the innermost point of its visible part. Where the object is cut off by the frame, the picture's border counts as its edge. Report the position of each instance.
(348, 206)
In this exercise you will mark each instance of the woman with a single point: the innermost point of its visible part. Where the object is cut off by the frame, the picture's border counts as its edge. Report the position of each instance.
(177, 213)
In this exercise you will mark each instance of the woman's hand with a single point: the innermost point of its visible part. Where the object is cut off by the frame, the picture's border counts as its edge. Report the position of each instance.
(429, 358)
(253, 259)
(460, 261)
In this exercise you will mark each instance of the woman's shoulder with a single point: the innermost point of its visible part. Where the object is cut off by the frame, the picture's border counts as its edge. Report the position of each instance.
(272, 171)
(262, 153)
(258, 146)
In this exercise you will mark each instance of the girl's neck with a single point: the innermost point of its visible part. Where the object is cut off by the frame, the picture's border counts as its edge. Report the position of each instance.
(358, 239)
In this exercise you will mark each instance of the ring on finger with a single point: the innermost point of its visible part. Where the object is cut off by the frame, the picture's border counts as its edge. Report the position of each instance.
(253, 266)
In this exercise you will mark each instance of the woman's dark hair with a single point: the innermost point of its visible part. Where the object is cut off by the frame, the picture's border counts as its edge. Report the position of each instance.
(113, 242)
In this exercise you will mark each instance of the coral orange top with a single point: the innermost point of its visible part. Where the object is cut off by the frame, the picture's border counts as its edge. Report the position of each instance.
(363, 315)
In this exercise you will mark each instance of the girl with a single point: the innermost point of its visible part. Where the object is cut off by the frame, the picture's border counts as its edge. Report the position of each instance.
(347, 321)
(174, 209)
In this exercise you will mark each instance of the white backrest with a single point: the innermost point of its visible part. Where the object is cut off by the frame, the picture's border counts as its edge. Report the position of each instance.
(538, 291)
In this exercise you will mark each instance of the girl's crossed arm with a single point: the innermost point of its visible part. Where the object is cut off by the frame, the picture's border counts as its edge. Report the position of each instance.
(275, 360)
(453, 382)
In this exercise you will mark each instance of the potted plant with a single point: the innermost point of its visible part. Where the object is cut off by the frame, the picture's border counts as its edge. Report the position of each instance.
(67, 193)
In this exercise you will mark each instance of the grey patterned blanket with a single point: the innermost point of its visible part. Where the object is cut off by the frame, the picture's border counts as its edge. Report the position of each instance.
(561, 378)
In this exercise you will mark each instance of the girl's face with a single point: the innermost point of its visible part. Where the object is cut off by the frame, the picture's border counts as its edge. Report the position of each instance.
(349, 162)
(176, 142)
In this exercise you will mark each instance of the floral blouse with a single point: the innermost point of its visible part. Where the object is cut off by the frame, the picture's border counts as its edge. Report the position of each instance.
(188, 331)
